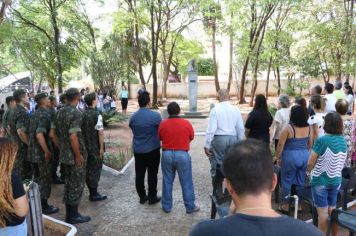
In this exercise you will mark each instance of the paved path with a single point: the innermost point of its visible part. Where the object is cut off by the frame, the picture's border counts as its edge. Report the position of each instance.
(122, 214)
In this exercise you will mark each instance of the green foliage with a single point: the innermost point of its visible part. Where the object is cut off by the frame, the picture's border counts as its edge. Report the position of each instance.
(205, 66)
(118, 159)
(272, 109)
(113, 116)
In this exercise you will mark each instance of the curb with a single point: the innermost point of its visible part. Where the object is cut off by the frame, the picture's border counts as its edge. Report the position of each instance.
(116, 172)
(73, 230)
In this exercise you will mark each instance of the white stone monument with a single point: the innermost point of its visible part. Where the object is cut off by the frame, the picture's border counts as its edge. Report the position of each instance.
(193, 89)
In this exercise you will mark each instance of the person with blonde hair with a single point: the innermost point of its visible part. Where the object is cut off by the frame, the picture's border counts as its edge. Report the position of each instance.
(14, 204)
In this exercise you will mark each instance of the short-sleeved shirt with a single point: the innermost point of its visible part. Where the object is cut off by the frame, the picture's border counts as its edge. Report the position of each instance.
(318, 119)
(17, 192)
(282, 120)
(124, 94)
(40, 122)
(241, 225)
(258, 123)
(19, 119)
(144, 125)
(5, 121)
(332, 153)
(69, 121)
(330, 103)
(92, 124)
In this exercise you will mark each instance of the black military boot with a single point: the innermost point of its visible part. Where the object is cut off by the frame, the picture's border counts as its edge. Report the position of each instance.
(73, 216)
(57, 180)
(95, 196)
(47, 209)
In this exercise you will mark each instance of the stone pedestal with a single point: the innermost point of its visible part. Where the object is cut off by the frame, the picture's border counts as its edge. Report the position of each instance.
(193, 89)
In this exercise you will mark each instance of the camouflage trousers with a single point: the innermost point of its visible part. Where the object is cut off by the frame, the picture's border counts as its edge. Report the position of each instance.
(22, 166)
(43, 177)
(74, 184)
(56, 164)
(94, 166)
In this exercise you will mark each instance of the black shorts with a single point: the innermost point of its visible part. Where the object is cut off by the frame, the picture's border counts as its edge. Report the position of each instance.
(124, 102)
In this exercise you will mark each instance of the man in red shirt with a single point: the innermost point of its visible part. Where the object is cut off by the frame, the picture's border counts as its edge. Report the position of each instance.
(176, 134)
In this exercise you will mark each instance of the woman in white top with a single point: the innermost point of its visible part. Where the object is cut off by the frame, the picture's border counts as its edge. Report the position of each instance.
(281, 119)
(349, 98)
(317, 103)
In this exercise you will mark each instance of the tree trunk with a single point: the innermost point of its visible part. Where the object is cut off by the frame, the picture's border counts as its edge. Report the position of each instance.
(278, 80)
(216, 78)
(231, 51)
(268, 73)
(243, 81)
(59, 67)
(154, 50)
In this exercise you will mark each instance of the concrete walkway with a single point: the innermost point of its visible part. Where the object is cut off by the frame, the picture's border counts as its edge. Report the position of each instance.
(122, 214)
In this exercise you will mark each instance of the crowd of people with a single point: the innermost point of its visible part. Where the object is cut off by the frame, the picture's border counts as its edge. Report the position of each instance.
(312, 142)
(36, 141)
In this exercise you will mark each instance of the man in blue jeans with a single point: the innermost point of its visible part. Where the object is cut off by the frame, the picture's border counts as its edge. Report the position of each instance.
(176, 134)
(146, 146)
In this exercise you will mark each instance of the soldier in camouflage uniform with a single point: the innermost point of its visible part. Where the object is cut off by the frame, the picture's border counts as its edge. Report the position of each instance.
(53, 112)
(10, 103)
(19, 122)
(40, 150)
(72, 155)
(93, 133)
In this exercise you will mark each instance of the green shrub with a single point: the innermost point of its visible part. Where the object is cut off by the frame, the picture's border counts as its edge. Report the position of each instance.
(272, 109)
(113, 117)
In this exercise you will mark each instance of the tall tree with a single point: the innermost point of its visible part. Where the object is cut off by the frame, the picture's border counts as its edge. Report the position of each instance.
(212, 14)
(259, 13)
(50, 9)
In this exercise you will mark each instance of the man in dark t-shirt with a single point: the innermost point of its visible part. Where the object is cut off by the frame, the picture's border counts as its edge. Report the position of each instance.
(252, 212)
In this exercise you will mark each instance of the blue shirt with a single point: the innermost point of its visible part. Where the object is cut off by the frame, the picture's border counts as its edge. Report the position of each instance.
(144, 125)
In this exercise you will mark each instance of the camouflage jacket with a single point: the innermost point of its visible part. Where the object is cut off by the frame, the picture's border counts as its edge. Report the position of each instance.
(5, 121)
(92, 123)
(52, 113)
(19, 119)
(40, 122)
(69, 121)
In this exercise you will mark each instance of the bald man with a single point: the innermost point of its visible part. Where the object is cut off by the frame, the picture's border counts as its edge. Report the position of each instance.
(225, 128)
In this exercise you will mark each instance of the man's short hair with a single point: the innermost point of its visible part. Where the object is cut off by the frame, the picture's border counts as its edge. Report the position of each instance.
(72, 94)
(52, 98)
(173, 109)
(248, 165)
(318, 89)
(9, 99)
(144, 99)
(333, 124)
(338, 85)
(223, 94)
(342, 106)
(329, 88)
(284, 100)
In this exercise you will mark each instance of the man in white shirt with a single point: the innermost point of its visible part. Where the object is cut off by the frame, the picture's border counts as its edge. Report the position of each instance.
(330, 98)
(225, 129)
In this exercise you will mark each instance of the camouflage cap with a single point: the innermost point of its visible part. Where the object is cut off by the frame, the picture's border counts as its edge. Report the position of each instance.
(72, 92)
(52, 98)
(18, 93)
(90, 97)
(39, 96)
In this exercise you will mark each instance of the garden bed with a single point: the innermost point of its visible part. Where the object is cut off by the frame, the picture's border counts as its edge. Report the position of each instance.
(118, 145)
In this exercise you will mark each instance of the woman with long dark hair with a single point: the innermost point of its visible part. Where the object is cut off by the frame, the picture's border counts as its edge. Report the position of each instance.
(14, 204)
(259, 120)
(293, 152)
(349, 93)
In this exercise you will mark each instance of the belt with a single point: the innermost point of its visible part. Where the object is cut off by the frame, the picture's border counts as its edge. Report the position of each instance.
(164, 150)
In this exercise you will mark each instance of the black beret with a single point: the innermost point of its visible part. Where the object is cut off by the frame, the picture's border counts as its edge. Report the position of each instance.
(39, 96)
(18, 93)
(90, 97)
(72, 92)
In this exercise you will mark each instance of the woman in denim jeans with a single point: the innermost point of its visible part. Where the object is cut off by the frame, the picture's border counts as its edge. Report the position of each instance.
(326, 163)
(176, 134)
(14, 204)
